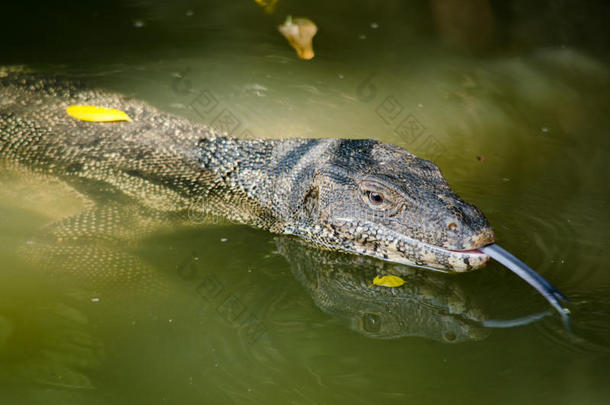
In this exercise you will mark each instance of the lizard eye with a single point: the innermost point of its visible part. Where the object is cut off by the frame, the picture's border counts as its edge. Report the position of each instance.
(376, 198)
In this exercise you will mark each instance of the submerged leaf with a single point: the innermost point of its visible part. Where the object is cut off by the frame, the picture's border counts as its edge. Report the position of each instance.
(388, 281)
(96, 114)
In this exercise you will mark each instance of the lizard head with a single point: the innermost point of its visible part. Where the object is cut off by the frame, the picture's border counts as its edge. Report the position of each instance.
(379, 200)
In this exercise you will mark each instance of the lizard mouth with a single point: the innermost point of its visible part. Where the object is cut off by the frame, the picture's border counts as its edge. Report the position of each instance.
(472, 259)
(422, 254)
(415, 252)
(469, 251)
(456, 260)
(399, 248)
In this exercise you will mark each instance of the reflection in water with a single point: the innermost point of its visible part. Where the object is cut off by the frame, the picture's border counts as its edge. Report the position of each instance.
(429, 304)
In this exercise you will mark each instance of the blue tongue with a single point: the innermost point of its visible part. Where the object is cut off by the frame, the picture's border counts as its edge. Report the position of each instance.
(552, 295)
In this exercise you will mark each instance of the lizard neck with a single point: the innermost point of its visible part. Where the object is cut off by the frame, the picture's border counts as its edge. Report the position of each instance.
(260, 182)
(235, 181)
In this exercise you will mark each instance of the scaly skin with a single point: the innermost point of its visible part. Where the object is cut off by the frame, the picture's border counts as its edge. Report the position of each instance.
(358, 196)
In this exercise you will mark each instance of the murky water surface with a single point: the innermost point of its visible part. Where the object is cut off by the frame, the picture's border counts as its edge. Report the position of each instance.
(519, 126)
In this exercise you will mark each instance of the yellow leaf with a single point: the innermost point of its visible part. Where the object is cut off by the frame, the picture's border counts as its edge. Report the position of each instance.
(96, 114)
(388, 281)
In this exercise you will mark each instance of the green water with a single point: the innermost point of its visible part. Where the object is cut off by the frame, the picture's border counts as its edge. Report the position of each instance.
(520, 128)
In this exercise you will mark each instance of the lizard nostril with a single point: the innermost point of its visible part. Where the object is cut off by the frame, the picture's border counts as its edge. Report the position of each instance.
(452, 226)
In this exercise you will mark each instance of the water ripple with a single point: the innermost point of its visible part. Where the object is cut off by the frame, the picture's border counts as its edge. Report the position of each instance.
(590, 323)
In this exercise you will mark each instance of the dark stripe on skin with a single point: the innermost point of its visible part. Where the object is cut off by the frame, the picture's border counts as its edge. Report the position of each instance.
(348, 150)
(302, 175)
(292, 158)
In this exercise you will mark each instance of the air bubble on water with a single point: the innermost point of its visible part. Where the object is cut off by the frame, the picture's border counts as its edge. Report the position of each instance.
(139, 23)
(95, 299)
(223, 239)
(374, 25)
(189, 13)
(544, 129)
(361, 36)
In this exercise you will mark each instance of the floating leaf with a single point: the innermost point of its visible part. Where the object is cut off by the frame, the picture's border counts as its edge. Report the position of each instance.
(267, 5)
(388, 281)
(299, 32)
(97, 114)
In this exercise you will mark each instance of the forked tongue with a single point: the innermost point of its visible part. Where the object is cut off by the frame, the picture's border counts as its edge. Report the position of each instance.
(552, 295)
